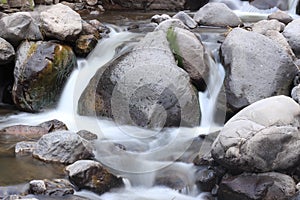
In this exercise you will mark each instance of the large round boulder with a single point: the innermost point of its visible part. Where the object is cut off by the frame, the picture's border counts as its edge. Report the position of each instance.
(209, 15)
(262, 137)
(61, 22)
(256, 68)
(143, 87)
(41, 70)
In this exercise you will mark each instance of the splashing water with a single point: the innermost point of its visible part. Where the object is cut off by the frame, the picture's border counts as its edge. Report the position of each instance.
(145, 158)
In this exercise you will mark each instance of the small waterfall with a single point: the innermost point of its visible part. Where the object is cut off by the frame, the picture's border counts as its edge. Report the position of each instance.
(145, 159)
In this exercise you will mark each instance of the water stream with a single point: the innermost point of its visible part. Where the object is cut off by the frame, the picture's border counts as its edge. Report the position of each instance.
(146, 159)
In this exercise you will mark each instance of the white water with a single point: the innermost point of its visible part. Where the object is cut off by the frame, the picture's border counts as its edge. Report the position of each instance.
(144, 159)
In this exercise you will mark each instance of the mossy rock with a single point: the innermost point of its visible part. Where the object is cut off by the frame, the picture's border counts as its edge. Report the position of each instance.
(40, 73)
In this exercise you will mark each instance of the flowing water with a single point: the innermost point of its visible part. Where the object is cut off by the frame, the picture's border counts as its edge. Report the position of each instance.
(149, 154)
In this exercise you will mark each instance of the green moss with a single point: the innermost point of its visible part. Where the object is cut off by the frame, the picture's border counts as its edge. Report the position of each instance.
(172, 39)
(32, 49)
(4, 1)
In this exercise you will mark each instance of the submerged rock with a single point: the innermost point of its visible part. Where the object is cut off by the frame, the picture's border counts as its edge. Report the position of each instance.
(24, 148)
(18, 27)
(262, 137)
(256, 68)
(270, 185)
(7, 52)
(23, 132)
(90, 175)
(41, 70)
(292, 34)
(209, 15)
(143, 87)
(64, 147)
(61, 22)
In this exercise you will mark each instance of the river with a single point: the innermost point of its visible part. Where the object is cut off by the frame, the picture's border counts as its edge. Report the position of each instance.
(146, 158)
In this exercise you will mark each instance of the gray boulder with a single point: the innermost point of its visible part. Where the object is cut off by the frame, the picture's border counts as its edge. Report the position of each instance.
(292, 34)
(61, 22)
(7, 52)
(191, 55)
(263, 26)
(265, 186)
(281, 17)
(63, 147)
(54, 188)
(90, 175)
(18, 27)
(262, 137)
(165, 25)
(209, 15)
(256, 68)
(186, 19)
(143, 87)
(41, 70)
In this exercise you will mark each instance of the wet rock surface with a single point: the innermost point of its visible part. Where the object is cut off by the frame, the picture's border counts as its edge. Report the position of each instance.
(55, 188)
(63, 147)
(41, 70)
(270, 185)
(7, 52)
(256, 68)
(262, 137)
(90, 175)
(18, 27)
(150, 84)
(24, 148)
